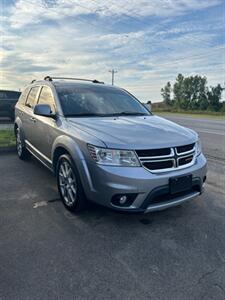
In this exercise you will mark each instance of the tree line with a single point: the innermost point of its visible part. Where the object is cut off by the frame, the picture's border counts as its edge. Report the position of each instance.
(192, 93)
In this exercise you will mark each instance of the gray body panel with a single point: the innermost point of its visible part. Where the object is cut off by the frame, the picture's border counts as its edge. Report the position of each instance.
(44, 136)
(136, 132)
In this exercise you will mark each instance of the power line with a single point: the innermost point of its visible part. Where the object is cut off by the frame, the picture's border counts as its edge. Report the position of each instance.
(113, 74)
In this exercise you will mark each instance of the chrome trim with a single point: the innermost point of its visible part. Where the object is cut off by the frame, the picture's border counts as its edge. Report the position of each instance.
(33, 150)
(173, 156)
(158, 156)
(176, 201)
(186, 152)
(181, 157)
(158, 160)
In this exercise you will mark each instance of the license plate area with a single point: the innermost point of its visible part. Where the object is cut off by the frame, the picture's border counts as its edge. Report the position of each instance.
(180, 184)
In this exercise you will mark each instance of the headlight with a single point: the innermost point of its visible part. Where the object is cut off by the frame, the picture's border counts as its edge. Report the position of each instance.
(198, 147)
(113, 157)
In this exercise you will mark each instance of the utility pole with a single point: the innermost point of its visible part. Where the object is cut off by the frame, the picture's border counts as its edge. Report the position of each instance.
(113, 74)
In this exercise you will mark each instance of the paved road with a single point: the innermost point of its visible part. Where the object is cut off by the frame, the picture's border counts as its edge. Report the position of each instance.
(211, 132)
(49, 253)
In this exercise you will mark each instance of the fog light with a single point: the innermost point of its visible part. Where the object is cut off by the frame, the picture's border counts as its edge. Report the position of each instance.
(123, 199)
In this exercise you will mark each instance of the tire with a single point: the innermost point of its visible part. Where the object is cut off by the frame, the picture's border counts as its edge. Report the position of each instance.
(20, 146)
(69, 184)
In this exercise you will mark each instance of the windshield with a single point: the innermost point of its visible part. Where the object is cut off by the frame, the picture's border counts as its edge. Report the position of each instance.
(94, 101)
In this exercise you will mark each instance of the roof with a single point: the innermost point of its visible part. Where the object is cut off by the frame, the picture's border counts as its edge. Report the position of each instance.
(73, 82)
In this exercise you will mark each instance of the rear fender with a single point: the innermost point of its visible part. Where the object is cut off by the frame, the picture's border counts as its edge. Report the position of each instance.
(18, 124)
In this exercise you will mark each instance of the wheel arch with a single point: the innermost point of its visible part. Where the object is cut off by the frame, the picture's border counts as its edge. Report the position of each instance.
(18, 124)
(66, 145)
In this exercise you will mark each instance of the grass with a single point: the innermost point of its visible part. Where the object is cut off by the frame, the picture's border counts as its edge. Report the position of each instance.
(209, 115)
(7, 138)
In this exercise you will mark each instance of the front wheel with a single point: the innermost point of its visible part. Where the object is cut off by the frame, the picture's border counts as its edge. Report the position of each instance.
(69, 184)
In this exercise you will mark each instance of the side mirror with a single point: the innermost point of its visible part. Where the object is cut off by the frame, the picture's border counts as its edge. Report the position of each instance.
(148, 106)
(43, 110)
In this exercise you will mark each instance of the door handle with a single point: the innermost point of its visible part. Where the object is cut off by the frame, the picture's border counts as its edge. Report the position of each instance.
(33, 119)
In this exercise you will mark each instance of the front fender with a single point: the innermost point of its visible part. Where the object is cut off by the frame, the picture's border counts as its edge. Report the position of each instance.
(73, 148)
(69, 144)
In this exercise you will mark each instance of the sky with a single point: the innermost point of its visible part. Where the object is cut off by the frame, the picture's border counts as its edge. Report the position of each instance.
(147, 42)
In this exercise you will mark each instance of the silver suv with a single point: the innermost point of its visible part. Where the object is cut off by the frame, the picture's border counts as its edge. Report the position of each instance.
(103, 145)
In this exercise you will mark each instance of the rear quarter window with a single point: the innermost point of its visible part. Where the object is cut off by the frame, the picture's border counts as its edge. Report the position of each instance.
(32, 97)
(23, 96)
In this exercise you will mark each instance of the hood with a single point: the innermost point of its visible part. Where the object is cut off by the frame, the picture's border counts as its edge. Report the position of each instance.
(134, 132)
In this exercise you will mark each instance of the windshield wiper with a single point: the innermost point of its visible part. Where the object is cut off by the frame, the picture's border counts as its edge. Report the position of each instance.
(123, 113)
(85, 115)
(129, 113)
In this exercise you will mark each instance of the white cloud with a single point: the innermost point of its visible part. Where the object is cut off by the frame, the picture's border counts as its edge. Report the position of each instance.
(34, 11)
(146, 58)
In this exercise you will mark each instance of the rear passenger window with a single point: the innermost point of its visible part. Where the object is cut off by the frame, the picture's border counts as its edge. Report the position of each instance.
(31, 100)
(47, 98)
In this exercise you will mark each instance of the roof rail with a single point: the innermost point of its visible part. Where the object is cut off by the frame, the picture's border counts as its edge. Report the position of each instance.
(33, 80)
(50, 78)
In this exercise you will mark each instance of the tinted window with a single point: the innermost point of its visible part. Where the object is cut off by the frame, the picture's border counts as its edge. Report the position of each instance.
(47, 98)
(3, 95)
(23, 96)
(13, 95)
(77, 101)
(10, 95)
(31, 100)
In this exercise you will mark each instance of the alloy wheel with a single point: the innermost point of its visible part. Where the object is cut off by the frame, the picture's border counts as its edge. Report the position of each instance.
(19, 145)
(67, 183)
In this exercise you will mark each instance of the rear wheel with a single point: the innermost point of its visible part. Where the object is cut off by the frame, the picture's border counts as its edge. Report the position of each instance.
(69, 184)
(20, 146)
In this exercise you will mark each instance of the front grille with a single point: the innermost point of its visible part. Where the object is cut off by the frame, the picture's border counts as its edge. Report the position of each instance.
(157, 165)
(153, 152)
(167, 159)
(185, 160)
(185, 148)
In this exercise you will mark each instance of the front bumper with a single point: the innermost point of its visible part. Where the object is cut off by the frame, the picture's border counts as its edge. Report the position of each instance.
(102, 183)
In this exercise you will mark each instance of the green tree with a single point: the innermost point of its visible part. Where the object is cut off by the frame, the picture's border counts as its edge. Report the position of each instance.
(214, 96)
(178, 90)
(190, 92)
(223, 106)
(166, 93)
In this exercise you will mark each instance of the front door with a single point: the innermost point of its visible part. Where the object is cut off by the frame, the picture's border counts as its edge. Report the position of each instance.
(45, 127)
(29, 117)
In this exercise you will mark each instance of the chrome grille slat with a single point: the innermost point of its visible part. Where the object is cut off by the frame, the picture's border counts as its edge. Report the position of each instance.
(178, 159)
(184, 153)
